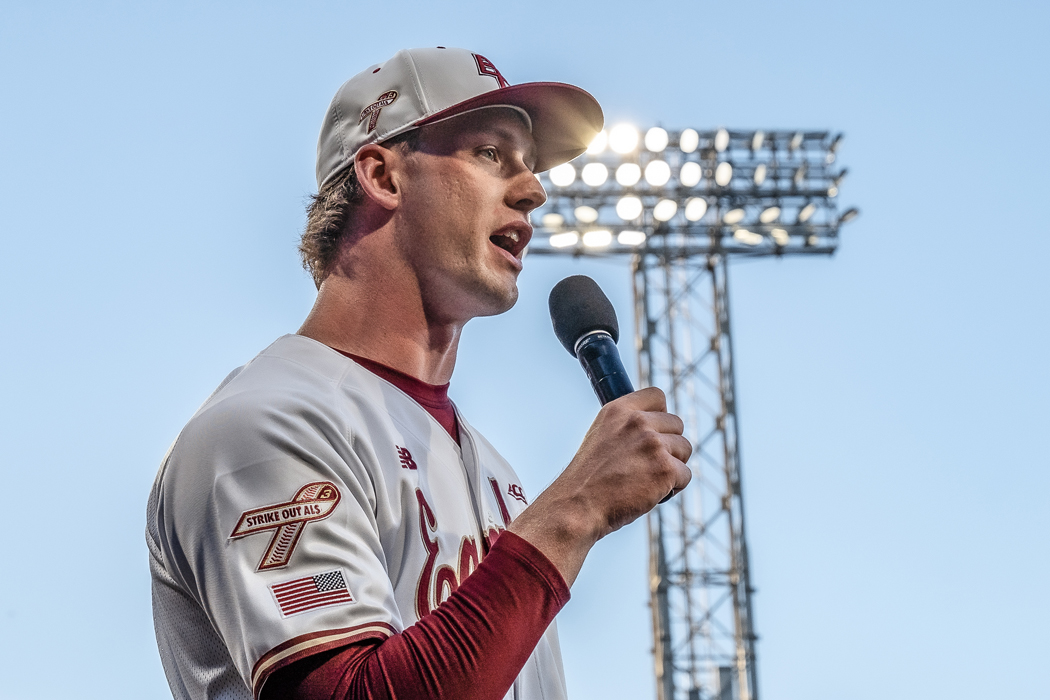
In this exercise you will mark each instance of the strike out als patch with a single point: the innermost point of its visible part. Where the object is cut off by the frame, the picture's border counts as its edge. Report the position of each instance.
(314, 501)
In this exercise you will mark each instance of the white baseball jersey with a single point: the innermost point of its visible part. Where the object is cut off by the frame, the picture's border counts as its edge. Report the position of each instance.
(309, 504)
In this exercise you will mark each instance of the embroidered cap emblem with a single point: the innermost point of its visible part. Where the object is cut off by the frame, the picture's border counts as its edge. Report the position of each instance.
(372, 111)
(515, 491)
(312, 502)
(486, 67)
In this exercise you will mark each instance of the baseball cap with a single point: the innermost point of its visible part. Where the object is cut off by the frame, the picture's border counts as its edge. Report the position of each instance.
(423, 86)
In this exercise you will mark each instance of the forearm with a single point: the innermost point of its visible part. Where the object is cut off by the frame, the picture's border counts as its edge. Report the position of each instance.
(472, 646)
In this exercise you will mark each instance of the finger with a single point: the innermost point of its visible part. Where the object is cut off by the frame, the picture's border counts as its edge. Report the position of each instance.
(648, 399)
(667, 423)
(679, 447)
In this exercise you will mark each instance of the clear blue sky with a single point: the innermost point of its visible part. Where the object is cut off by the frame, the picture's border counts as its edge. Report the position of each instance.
(154, 162)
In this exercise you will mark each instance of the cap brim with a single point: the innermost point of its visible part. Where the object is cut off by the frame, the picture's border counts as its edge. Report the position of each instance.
(565, 118)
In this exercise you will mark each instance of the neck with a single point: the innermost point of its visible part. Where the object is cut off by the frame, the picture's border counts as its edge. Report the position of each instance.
(367, 318)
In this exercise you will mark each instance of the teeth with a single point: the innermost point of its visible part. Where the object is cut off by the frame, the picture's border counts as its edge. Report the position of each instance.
(512, 235)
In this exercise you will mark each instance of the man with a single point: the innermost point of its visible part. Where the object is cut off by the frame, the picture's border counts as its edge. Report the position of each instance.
(327, 525)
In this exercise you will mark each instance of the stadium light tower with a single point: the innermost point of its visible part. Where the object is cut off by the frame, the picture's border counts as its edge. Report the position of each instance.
(678, 205)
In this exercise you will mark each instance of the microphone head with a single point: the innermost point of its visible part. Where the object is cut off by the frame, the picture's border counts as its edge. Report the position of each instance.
(578, 307)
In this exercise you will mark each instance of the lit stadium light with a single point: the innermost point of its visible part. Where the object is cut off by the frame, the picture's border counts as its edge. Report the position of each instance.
(656, 139)
(800, 175)
(721, 140)
(629, 174)
(657, 202)
(733, 216)
(599, 238)
(631, 238)
(563, 175)
(723, 174)
(695, 208)
(657, 173)
(747, 237)
(598, 143)
(665, 210)
(623, 138)
(690, 174)
(564, 240)
(586, 215)
(594, 174)
(629, 208)
(689, 141)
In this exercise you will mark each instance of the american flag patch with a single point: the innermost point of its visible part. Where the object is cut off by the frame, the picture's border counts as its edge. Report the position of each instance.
(311, 592)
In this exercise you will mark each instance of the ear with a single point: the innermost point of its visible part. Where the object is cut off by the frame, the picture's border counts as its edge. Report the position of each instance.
(376, 168)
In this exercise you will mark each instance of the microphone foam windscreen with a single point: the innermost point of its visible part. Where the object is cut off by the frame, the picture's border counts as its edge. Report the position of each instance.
(578, 306)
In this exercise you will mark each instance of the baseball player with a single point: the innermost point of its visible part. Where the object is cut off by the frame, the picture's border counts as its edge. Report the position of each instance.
(328, 525)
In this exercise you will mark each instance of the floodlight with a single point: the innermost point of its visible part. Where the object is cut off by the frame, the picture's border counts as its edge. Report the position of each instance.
(812, 240)
(723, 174)
(689, 140)
(757, 139)
(800, 174)
(665, 210)
(721, 140)
(597, 239)
(598, 143)
(629, 208)
(586, 215)
(833, 191)
(733, 216)
(628, 174)
(562, 175)
(623, 138)
(594, 174)
(780, 236)
(657, 173)
(656, 139)
(631, 238)
(695, 208)
(690, 174)
(769, 215)
(760, 174)
(564, 240)
(806, 212)
(796, 141)
(552, 220)
(747, 237)
(849, 215)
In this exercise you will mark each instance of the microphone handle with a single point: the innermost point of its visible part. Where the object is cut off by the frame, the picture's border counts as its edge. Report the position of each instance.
(601, 363)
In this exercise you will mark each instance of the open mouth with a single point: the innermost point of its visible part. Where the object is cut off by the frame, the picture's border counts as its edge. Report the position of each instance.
(512, 239)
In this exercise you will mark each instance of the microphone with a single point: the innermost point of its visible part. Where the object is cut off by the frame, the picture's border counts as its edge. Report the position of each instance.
(585, 323)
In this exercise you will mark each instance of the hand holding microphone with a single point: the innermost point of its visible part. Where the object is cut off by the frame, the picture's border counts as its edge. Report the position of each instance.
(585, 323)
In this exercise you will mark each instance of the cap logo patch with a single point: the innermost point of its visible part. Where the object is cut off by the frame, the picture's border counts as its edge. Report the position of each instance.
(371, 112)
(314, 501)
(485, 67)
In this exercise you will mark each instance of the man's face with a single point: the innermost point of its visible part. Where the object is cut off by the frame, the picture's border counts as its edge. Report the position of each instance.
(466, 196)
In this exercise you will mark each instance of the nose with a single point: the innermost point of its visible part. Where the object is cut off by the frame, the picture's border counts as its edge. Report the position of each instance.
(525, 193)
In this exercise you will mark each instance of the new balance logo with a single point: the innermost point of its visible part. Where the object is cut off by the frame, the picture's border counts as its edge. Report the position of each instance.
(406, 458)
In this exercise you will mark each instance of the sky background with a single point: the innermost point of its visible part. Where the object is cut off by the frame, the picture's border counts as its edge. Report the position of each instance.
(155, 159)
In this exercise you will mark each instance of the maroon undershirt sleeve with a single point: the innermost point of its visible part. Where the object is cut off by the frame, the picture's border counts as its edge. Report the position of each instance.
(471, 647)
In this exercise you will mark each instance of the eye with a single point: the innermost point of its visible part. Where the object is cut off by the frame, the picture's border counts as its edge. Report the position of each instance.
(489, 152)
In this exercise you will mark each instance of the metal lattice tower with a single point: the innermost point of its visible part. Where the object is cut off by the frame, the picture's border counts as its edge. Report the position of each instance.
(679, 207)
